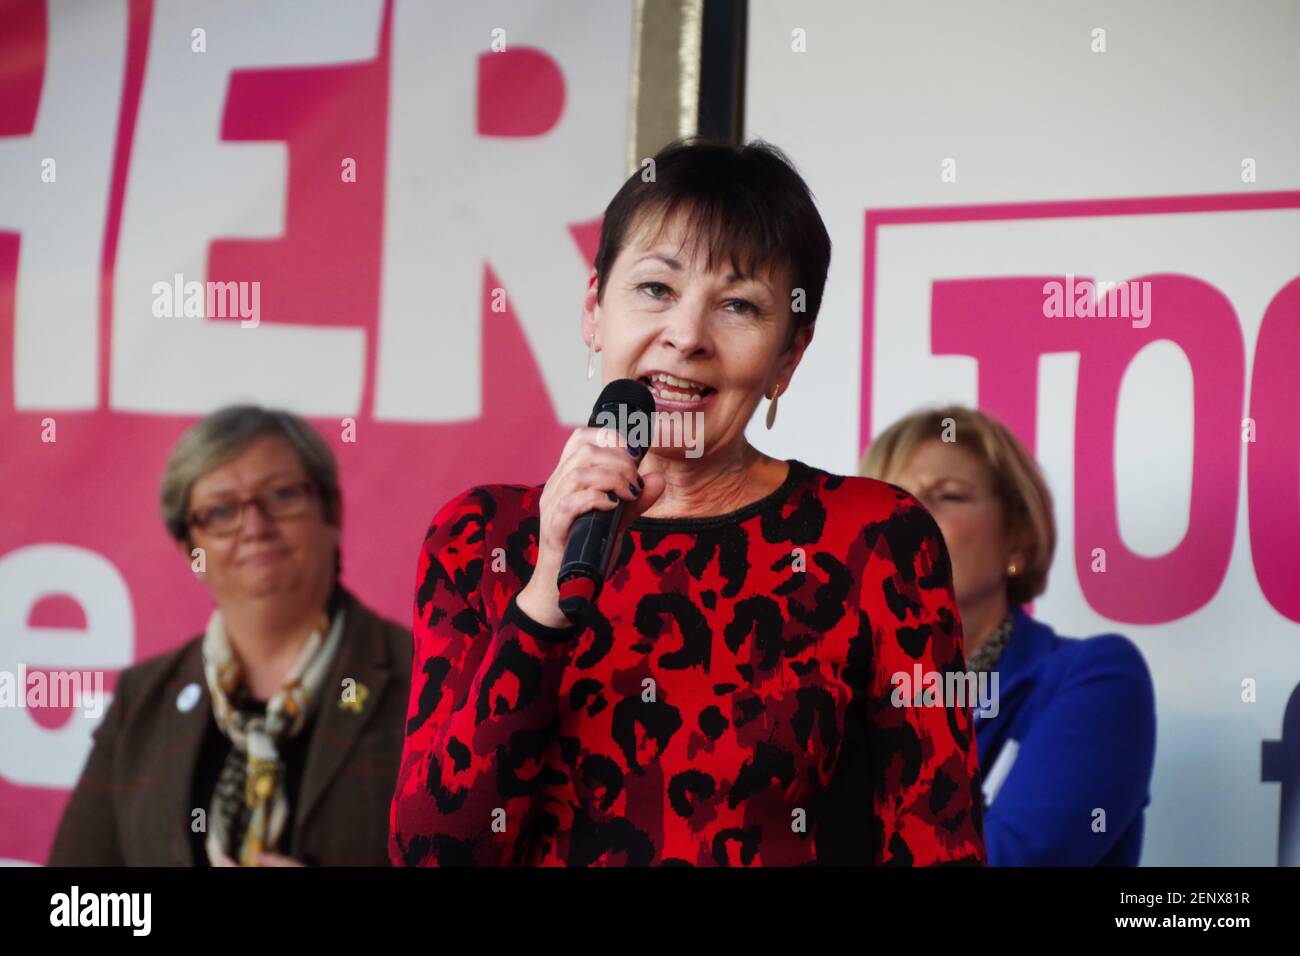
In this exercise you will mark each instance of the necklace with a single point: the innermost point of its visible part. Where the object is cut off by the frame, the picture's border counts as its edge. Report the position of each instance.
(986, 658)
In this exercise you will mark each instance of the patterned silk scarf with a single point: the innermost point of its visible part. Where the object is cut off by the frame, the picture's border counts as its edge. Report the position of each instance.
(249, 805)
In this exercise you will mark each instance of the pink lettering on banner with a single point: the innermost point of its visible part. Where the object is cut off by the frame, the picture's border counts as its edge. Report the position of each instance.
(1000, 322)
(1273, 459)
(23, 51)
(324, 270)
(1151, 590)
(95, 490)
(520, 93)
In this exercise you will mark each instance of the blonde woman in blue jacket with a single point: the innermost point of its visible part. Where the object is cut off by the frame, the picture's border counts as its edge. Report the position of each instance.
(1066, 750)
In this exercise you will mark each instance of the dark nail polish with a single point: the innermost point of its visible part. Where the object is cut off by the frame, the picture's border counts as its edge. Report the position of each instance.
(612, 496)
(634, 489)
(640, 481)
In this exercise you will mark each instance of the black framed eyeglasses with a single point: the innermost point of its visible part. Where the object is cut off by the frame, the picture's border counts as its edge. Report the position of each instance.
(285, 500)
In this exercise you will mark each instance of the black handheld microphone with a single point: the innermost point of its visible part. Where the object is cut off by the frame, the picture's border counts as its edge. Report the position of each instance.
(628, 407)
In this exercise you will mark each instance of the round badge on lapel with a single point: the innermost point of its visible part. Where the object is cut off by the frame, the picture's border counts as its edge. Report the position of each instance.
(188, 697)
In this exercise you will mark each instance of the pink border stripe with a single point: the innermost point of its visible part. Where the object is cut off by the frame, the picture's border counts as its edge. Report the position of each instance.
(1060, 209)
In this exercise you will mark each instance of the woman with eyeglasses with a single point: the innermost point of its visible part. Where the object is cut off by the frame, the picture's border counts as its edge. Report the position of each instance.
(273, 737)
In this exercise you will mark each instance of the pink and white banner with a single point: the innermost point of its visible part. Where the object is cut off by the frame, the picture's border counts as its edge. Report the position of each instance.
(381, 214)
(1085, 219)
(409, 193)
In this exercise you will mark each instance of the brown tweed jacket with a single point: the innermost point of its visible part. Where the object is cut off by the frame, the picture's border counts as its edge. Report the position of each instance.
(131, 806)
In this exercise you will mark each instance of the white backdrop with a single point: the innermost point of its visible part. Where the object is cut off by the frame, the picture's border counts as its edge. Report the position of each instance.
(1016, 97)
(477, 171)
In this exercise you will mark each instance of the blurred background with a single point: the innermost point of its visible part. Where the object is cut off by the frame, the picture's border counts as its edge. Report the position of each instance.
(416, 188)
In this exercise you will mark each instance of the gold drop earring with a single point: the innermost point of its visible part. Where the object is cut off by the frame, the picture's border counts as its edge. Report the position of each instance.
(771, 408)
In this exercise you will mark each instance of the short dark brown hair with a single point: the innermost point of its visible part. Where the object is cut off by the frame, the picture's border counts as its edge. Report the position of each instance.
(746, 203)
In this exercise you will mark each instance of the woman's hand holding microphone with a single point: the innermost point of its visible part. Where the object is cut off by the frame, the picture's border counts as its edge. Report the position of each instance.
(594, 473)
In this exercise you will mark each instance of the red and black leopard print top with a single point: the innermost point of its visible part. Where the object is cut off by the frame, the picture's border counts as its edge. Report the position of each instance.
(727, 701)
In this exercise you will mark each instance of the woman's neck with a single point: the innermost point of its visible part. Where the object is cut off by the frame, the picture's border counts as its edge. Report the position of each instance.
(980, 620)
(715, 485)
(268, 640)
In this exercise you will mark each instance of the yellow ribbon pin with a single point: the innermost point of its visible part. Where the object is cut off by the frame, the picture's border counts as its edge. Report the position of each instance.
(354, 698)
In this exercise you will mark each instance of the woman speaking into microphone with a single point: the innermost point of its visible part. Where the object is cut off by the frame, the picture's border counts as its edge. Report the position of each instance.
(731, 695)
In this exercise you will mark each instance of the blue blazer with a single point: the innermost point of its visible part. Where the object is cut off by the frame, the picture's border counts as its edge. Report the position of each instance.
(1074, 733)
